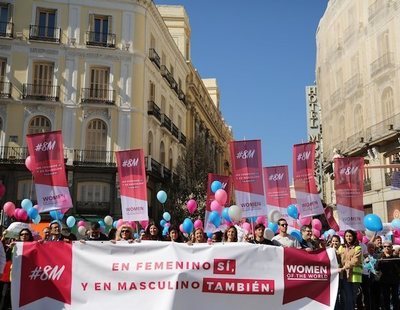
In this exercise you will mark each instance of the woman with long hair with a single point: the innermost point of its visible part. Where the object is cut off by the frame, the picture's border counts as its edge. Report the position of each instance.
(198, 236)
(152, 232)
(174, 234)
(231, 234)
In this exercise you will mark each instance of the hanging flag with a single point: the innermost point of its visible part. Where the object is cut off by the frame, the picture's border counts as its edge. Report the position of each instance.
(349, 188)
(247, 177)
(307, 195)
(48, 169)
(226, 185)
(132, 182)
(277, 191)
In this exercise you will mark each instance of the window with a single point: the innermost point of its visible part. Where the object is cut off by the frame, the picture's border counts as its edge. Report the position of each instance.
(179, 122)
(99, 83)
(162, 153)
(162, 104)
(42, 79)
(358, 118)
(383, 43)
(96, 135)
(100, 29)
(39, 124)
(393, 209)
(367, 209)
(46, 23)
(387, 103)
(152, 91)
(4, 86)
(170, 160)
(26, 190)
(163, 59)
(93, 192)
(6, 20)
(171, 112)
(152, 42)
(150, 144)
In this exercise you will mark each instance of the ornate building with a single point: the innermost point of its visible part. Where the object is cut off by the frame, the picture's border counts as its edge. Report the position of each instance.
(358, 91)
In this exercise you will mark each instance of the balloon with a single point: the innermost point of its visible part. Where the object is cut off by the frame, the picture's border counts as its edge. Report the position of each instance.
(305, 221)
(373, 222)
(341, 233)
(235, 213)
(114, 224)
(108, 220)
(297, 235)
(119, 223)
(198, 224)
(369, 234)
(273, 226)
(187, 225)
(365, 240)
(396, 240)
(221, 196)
(101, 223)
(216, 185)
(162, 223)
(316, 223)
(144, 223)
(167, 216)
(331, 232)
(81, 224)
(215, 218)
(136, 235)
(133, 224)
(316, 232)
(225, 214)
(56, 215)
(9, 208)
(293, 211)
(246, 226)
(165, 230)
(82, 230)
(26, 204)
(2, 190)
(14, 229)
(28, 163)
(274, 215)
(23, 215)
(395, 223)
(70, 221)
(268, 234)
(37, 219)
(359, 236)
(216, 206)
(209, 234)
(181, 228)
(33, 213)
(191, 206)
(162, 196)
(252, 219)
(261, 219)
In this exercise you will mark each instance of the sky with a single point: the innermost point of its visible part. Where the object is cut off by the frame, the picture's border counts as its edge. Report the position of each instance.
(262, 53)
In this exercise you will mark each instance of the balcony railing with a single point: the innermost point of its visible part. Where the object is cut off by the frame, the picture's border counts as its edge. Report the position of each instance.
(94, 158)
(182, 140)
(181, 95)
(386, 61)
(175, 131)
(6, 30)
(166, 122)
(153, 56)
(42, 33)
(92, 207)
(388, 178)
(100, 39)
(168, 76)
(43, 92)
(5, 89)
(98, 95)
(13, 154)
(157, 169)
(153, 109)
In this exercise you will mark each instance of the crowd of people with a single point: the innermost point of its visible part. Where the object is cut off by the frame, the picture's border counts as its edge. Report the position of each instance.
(369, 274)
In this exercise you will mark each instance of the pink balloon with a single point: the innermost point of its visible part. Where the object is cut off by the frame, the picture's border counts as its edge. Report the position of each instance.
(191, 206)
(168, 224)
(316, 232)
(2, 190)
(316, 223)
(144, 223)
(365, 240)
(23, 215)
(396, 240)
(9, 208)
(16, 214)
(28, 163)
(305, 221)
(341, 233)
(396, 233)
(359, 236)
(246, 226)
(261, 219)
(221, 196)
(120, 222)
(198, 224)
(132, 224)
(215, 206)
(81, 223)
(181, 228)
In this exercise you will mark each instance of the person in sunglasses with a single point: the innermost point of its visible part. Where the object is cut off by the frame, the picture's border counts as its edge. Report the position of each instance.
(124, 232)
(283, 238)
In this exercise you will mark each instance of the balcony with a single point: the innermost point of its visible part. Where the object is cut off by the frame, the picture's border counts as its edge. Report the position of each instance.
(182, 139)
(94, 158)
(13, 154)
(153, 109)
(98, 96)
(166, 122)
(170, 79)
(100, 39)
(388, 178)
(352, 84)
(5, 89)
(42, 33)
(153, 56)
(175, 131)
(181, 95)
(157, 169)
(92, 207)
(382, 64)
(43, 92)
(6, 30)
(367, 185)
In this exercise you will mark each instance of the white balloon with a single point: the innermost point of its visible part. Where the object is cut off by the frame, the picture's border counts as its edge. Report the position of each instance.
(268, 234)
(108, 220)
(235, 213)
(369, 234)
(274, 216)
(14, 229)
(82, 230)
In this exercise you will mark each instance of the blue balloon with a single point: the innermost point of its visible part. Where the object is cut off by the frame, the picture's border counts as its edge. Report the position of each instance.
(225, 215)
(252, 219)
(162, 196)
(395, 224)
(165, 231)
(297, 235)
(209, 234)
(216, 185)
(114, 225)
(26, 204)
(33, 213)
(102, 224)
(70, 221)
(273, 227)
(136, 235)
(215, 218)
(187, 225)
(167, 216)
(162, 223)
(373, 222)
(293, 212)
(37, 219)
(56, 215)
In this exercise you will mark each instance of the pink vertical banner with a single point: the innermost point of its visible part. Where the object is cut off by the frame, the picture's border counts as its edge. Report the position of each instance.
(226, 185)
(48, 169)
(277, 191)
(133, 188)
(307, 196)
(349, 188)
(247, 177)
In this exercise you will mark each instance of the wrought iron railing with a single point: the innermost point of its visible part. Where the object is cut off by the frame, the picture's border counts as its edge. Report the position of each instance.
(98, 95)
(154, 57)
(166, 122)
(94, 158)
(43, 92)
(6, 30)
(153, 109)
(182, 140)
(100, 39)
(43, 33)
(13, 154)
(5, 89)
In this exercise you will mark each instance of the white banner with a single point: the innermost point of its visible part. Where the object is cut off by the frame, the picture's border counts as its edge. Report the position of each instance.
(164, 275)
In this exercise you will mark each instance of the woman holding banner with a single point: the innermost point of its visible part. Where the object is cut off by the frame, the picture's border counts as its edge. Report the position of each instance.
(231, 235)
(124, 232)
(152, 233)
(198, 236)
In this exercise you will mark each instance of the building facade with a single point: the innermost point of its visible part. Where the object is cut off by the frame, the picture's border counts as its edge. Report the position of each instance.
(109, 75)
(358, 80)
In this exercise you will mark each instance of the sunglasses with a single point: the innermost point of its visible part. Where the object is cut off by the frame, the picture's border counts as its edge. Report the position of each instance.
(284, 225)
(387, 246)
